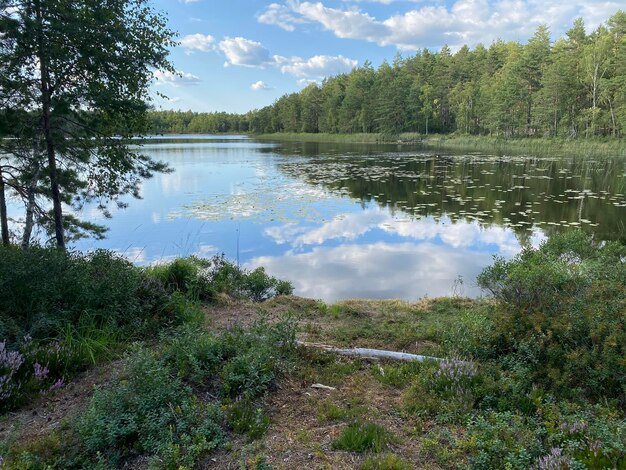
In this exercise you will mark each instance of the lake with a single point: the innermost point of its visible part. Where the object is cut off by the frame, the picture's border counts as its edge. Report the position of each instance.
(369, 221)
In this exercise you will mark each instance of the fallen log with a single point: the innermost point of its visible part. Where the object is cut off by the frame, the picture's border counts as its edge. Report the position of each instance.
(367, 353)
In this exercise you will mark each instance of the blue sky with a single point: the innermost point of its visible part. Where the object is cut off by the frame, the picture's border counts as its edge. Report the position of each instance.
(237, 55)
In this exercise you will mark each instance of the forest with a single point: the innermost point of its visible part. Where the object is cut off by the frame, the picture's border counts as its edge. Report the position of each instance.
(572, 87)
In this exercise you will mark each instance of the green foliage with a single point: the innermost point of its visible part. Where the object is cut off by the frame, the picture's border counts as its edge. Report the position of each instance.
(386, 462)
(149, 411)
(204, 279)
(445, 391)
(183, 275)
(563, 315)
(503, 440)
(71, 123)
(363, 437)
(580, 438)
(152, 409)
(247, 417)
(44, 290)
(396, 375)
(239, 362)
(328, 412)
(257, 285)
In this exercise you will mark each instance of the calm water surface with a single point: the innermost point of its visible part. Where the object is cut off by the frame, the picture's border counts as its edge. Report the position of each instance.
(343, 221)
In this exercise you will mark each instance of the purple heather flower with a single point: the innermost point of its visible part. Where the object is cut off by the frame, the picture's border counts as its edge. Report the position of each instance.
(56, 385)
(555, 460)
(11, 360)
(41, 372)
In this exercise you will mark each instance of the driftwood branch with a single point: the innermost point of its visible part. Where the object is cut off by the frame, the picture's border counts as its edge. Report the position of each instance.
(370, 353)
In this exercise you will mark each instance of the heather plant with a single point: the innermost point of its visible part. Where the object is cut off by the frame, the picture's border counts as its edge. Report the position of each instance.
(445, 390)
(28, 370)
(10, 364)
(554, 460)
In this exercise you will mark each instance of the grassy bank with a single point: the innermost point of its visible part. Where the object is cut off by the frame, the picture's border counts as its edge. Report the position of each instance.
(532, 378)
(322, 138)
(533, 146)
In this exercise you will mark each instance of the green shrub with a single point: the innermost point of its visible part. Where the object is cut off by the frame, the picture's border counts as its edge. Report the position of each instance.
(184, 275)
(363, 437)
(503, 440)
(43, 290)
(236, 363)
(194, 353)
(562, 316)
(149, 411)
(257, 285)
(249, 374)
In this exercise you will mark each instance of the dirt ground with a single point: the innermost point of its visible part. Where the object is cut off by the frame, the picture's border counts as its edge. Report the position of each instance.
(300, 435)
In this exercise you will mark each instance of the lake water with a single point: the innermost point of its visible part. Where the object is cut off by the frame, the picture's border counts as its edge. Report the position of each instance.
(343, 221)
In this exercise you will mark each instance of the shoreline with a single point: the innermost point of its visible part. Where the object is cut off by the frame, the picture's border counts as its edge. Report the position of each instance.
(541, 145)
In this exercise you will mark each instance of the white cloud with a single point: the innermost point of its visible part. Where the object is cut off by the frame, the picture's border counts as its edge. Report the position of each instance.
(384, 2)
(304, 82)
(317, 66)
(177, 79)
(279, 15)
(198, 42)
(260, 86)
(465, 21)
(248, 53)
(244, 52)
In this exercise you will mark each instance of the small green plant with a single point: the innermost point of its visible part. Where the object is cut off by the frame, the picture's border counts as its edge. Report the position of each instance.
(328, 412)
(396, 376)
(363, 437)
(247, 417)
(385, 462)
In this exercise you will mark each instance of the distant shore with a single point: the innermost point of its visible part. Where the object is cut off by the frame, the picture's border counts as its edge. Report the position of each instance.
(539, 145)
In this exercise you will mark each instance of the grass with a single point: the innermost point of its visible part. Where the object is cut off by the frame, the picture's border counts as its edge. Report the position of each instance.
(540, 146)
(363, 437)
(412, 327)
(323, 137)
(386, 462)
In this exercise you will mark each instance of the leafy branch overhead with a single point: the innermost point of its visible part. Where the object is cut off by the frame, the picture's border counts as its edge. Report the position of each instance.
(74, 88)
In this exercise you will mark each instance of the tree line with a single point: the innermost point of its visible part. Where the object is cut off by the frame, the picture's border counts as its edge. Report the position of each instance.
(573, 87)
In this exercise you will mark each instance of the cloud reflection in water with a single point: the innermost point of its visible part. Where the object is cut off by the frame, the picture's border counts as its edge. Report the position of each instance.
(422, 257)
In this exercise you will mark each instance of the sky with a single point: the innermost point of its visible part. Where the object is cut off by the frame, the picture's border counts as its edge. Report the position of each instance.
(239, 55)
